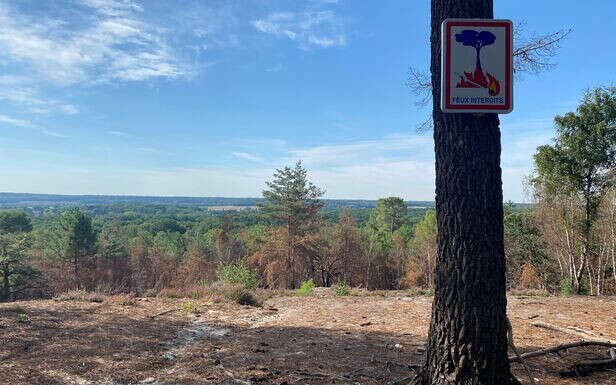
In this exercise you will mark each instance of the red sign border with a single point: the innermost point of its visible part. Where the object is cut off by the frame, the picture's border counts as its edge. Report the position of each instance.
(503, 108)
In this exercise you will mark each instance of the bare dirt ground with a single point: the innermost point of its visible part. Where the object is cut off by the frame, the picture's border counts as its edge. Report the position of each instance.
(290, 340)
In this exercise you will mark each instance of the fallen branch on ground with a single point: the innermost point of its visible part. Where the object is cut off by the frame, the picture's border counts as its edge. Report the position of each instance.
(546, 325)
(518, 356)
(558, 348)
(162, 313)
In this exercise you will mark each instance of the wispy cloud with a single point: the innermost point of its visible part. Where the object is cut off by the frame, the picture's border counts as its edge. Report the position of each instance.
(15, 122)
(311, 28)
(119, 133)
(29, 99)
(247, 156)
(113, 44)
(415, 146)
(152, 150)
(54, 134)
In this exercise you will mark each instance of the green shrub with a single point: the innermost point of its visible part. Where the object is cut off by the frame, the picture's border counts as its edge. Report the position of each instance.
(238, 274)
(195, 293)
(305, 288)
(565, 286)
(342, 289)
(191, 307)
(22, 318)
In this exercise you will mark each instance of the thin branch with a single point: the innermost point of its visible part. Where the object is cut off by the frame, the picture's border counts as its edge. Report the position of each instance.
(420, 84)
(531, 54)
(548, 326)
(558, 348)
(534, 54)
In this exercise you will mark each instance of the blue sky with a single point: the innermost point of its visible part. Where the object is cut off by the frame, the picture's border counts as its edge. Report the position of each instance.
(207, 98)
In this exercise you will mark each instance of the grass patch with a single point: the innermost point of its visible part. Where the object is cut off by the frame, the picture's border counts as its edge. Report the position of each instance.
(190, 307)
(170, 293)
(416, 291)
(122, 299)
(305, 289)
(342, 289)
(80, 296)
(528, 293)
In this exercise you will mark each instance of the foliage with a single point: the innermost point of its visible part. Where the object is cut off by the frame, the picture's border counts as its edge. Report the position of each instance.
(16, 273)
(22, 318)
(388, 215)
(15, 221)
(190, 307)
(523, 244)
(342, 289)
(292, 202)
(291, 199)
(566, 287)
(579, 168)
(305, 289)
(238, 274)
(421, 262)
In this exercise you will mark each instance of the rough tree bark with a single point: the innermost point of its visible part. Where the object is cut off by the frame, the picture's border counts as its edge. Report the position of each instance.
(467, 341)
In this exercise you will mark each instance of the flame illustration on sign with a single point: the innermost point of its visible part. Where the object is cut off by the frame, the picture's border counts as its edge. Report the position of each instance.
(477, 79)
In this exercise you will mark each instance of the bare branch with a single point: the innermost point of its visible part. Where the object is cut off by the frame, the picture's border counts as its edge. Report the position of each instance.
(558, 348)
(425, 125)
(531, 54)
(534, 54)
(420, 85)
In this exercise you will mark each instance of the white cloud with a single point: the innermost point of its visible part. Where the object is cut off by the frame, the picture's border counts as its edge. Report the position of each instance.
(15, 122)
(33, 103)
(310, 28)
(115, 44)
(247, 156)
(113, 7)
(119, 133)
(54, 134)
(407, 146)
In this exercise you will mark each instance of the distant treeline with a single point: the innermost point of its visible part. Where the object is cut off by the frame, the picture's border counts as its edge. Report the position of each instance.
(23, 200)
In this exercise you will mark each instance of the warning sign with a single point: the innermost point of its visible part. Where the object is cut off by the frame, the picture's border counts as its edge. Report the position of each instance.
(476, 66)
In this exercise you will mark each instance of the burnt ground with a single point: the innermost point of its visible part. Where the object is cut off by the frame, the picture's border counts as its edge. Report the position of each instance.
(323, 339)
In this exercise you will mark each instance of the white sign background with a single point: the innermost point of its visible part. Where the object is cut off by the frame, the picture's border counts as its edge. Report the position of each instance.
(494, 60)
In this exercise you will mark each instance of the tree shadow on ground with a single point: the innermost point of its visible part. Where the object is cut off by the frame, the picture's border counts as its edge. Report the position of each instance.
(100, 344)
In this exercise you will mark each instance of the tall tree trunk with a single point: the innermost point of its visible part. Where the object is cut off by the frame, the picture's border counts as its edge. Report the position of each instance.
(467, 341)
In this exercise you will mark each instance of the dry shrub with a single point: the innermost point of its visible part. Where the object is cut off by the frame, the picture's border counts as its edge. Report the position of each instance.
(196, 292)
(414, 276)
(122, 299)
(237, 293)
(417, 291)
(170, 292)
(529, 279)
(80, 295)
